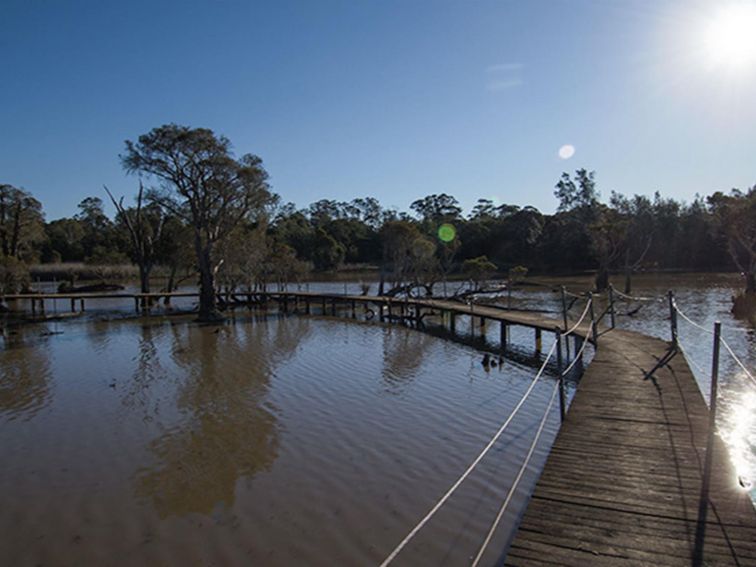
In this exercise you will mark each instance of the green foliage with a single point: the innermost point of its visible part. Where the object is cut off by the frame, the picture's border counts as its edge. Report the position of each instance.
(517, 274)
(200, 181)
(735, 219)
(21, 223)
(479, 269)
(328, 253)
(14, 275)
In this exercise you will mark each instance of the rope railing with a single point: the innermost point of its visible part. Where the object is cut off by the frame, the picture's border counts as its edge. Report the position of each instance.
(580, 320)
(517, 479)
(529, 455)
(437, 506)
(637, 297)
(578, 356)
(723, 342)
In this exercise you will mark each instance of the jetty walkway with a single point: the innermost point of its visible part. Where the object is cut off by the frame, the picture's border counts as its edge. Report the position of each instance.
(623, 481)
(636, 475)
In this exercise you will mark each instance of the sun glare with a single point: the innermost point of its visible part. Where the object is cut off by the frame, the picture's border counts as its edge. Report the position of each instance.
(731, 35)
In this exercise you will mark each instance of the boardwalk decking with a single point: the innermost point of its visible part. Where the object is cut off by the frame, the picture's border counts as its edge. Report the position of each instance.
(622, 482)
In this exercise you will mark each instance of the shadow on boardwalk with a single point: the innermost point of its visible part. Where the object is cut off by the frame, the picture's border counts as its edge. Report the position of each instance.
(622, 482)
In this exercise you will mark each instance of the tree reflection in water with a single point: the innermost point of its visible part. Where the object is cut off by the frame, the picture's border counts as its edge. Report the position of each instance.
(226, 430)
(24, 378)
(403, 354)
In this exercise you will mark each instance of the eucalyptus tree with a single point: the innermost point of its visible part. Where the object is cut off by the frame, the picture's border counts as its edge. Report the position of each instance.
(21, 222)
(199, 180)
(145, 225)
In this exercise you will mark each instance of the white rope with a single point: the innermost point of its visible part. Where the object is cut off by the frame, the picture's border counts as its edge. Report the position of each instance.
(721, 339)
(462, 478)
(517, 479)
(737, 360)
(578, 354)
(689, 320)
(576, 325)
(689, 358)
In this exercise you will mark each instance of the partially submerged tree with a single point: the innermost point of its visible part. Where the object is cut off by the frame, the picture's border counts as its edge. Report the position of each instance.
(735, 218)
(636, 223)
(479, 270)
(201, 181)
(144, 223)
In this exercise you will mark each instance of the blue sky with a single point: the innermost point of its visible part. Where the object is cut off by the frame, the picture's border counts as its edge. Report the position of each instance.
(392, 99)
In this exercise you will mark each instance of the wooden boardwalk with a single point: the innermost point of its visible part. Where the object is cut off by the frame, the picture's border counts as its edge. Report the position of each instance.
(622, 482)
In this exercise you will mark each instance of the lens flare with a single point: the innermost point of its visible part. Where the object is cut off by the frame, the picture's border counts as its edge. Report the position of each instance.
(447, 232)
(567, 151)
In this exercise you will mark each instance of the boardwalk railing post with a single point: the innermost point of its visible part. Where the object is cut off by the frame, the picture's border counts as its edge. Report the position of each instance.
(593, 320)
(672, 316)
(564, 306)
(611, 305)
(561, 376)
(703, 503)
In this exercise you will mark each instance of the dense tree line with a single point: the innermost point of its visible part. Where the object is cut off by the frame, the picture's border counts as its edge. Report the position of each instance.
(213, 216)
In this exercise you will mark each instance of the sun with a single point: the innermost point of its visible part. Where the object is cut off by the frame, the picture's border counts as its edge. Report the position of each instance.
(730, 37)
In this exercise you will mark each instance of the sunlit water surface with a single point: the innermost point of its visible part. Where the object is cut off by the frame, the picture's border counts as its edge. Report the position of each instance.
(268, 441)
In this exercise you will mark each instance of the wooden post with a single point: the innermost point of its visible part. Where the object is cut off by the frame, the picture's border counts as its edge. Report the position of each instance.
(354, 309)
(452, 321)
(34, 306)
(81, 304)
(42, 305)
(307, 305)
(482, 322)
(503, 335)
(593, 320)
(562, 408)
(703, 502)
(672, 316)
(538, 341)
(324, 305)
(611, 305)
(73, 305)
(564, 307)
(333, 307)
(136, 304)
(389, 309)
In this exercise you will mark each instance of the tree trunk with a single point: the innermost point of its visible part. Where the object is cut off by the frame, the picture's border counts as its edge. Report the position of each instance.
(144, 278)
(628, 278)
(208, 308)
(750, 282)
(602, 279)
(144, 282)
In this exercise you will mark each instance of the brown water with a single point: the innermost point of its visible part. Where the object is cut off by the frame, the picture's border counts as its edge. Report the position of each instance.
(278, 440)
(270, 441)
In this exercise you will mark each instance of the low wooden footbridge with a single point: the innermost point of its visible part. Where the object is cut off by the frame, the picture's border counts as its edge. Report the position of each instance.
(636, 475)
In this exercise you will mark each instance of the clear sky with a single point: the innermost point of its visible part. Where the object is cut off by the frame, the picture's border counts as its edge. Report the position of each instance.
(392, 99)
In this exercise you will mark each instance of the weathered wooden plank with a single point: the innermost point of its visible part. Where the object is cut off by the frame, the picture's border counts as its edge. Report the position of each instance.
(622, 482)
